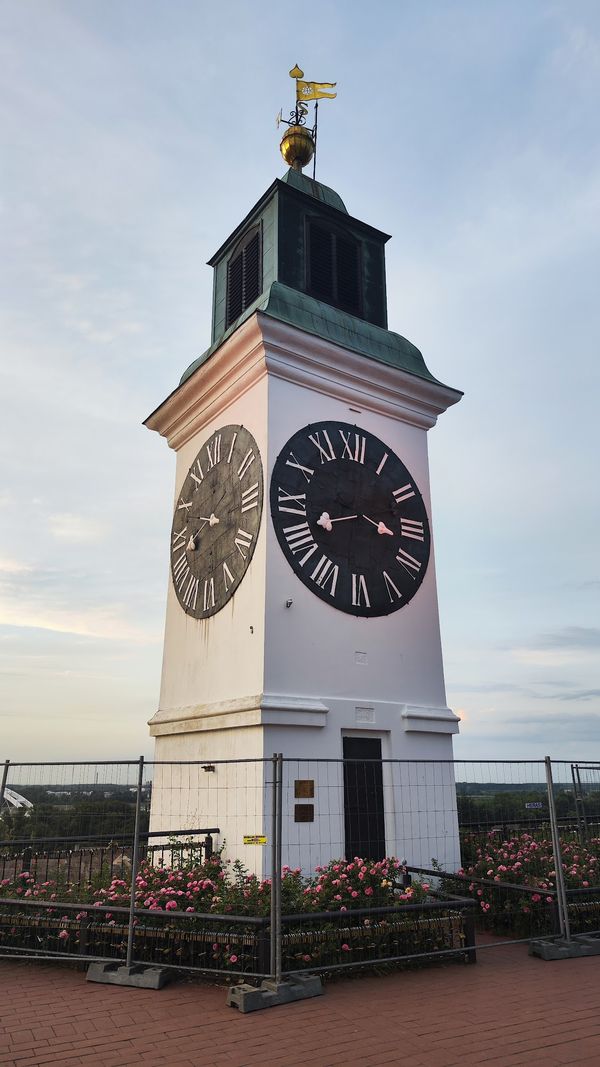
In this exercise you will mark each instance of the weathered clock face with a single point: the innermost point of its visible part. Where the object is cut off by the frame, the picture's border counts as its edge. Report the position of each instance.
(216, 521)
(350, 519)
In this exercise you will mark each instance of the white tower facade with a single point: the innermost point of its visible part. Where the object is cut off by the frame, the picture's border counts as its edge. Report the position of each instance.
(302, 611)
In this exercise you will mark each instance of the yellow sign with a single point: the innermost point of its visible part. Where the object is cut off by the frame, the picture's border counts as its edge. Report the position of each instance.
(255, 839)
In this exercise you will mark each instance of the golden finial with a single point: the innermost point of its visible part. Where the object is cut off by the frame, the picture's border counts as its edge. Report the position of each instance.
(299, 143)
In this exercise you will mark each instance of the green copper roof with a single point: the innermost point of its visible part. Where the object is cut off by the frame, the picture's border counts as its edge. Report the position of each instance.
(296, 180)
(303, 311)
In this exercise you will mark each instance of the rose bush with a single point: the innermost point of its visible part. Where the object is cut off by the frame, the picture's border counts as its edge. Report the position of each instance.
(218, 886)
(527, 860)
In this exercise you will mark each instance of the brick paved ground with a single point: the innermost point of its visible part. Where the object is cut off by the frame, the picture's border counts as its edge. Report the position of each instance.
(509, 1009)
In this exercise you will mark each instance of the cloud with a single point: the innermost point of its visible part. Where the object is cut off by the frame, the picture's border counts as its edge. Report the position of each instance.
(575, 695)
(70, 601)
(76, 529)
(568, 645)
(106, 622)
(493, 687)
(13, 566)
(554, 727)
(571, 637)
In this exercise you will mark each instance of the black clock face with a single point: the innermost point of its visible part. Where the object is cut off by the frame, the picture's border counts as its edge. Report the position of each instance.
(350, 519)
(216, 522)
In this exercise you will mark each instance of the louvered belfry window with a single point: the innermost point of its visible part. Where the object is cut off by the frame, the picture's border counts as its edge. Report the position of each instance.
(333, 264)
(243, 276)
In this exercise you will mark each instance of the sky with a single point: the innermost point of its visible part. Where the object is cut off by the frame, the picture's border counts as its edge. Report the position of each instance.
(134, 137)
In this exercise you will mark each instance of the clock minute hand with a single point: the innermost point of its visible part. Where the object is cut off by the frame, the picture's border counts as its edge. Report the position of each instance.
(381, 527)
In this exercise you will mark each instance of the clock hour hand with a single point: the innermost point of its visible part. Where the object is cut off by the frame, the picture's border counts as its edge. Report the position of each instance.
(381, 527)
(212, 520)
(327, 522)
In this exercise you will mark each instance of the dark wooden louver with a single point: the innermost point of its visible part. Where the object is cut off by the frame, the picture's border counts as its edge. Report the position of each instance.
(243, 277)
(334, 269)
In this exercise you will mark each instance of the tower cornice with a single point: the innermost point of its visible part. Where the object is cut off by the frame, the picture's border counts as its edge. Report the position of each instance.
(266, 346)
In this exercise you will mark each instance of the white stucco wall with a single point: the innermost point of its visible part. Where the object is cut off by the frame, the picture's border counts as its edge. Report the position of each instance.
(259, 677)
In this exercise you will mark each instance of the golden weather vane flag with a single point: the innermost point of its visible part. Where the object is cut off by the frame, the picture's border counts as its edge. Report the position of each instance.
(311, 90)
(314, 90)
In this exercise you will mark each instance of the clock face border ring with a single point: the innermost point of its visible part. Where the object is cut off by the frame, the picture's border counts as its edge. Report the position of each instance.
(350, 519)
(216, 522)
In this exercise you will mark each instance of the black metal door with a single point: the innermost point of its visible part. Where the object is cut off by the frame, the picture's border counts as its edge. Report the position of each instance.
(363, 798)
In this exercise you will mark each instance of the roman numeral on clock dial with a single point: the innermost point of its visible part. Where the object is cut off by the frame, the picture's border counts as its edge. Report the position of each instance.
(191, 592)
(250, 498)
(391, 588)
(228, 578)
(246, 463)
(412, 528)
(209, 593)
(325, 450)
(213, 452)
(360, 593)
(292, 504)
(354, 446)
(404, 493)
(300, 541)
(326, 574)
(411, 565)
(242, 542)
(179, 539)
(306, 471)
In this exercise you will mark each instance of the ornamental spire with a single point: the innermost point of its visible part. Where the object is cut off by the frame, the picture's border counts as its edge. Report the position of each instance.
(299, 143)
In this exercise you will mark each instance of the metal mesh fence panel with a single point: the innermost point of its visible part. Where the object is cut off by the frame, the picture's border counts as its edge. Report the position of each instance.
(231, 799)
(66, 824)
(577, 802)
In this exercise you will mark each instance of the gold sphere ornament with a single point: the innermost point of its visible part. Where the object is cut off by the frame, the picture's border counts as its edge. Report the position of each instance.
(297, 147)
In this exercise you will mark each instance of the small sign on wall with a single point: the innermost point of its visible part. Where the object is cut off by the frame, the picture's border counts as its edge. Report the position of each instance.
(255, 839)
(304, 813)
(304, 787)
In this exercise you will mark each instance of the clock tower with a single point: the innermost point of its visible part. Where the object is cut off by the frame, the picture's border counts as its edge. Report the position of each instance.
(302, 609)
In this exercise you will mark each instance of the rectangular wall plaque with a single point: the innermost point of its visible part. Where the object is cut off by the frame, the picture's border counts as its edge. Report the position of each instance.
(365, 714)
(304, 813)
(304, 787)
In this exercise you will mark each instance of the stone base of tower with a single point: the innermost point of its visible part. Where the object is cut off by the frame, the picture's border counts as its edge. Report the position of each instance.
(216, 770)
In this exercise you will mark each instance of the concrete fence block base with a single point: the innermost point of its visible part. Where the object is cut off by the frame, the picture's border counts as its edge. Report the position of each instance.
(271, 993)
(561, 949)
(139, 976)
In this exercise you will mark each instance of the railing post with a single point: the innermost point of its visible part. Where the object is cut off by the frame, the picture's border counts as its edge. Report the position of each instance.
(278, 884)
(134, 861)
(561, 896)
(274, 801)
(469, 928)
(4, 780)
